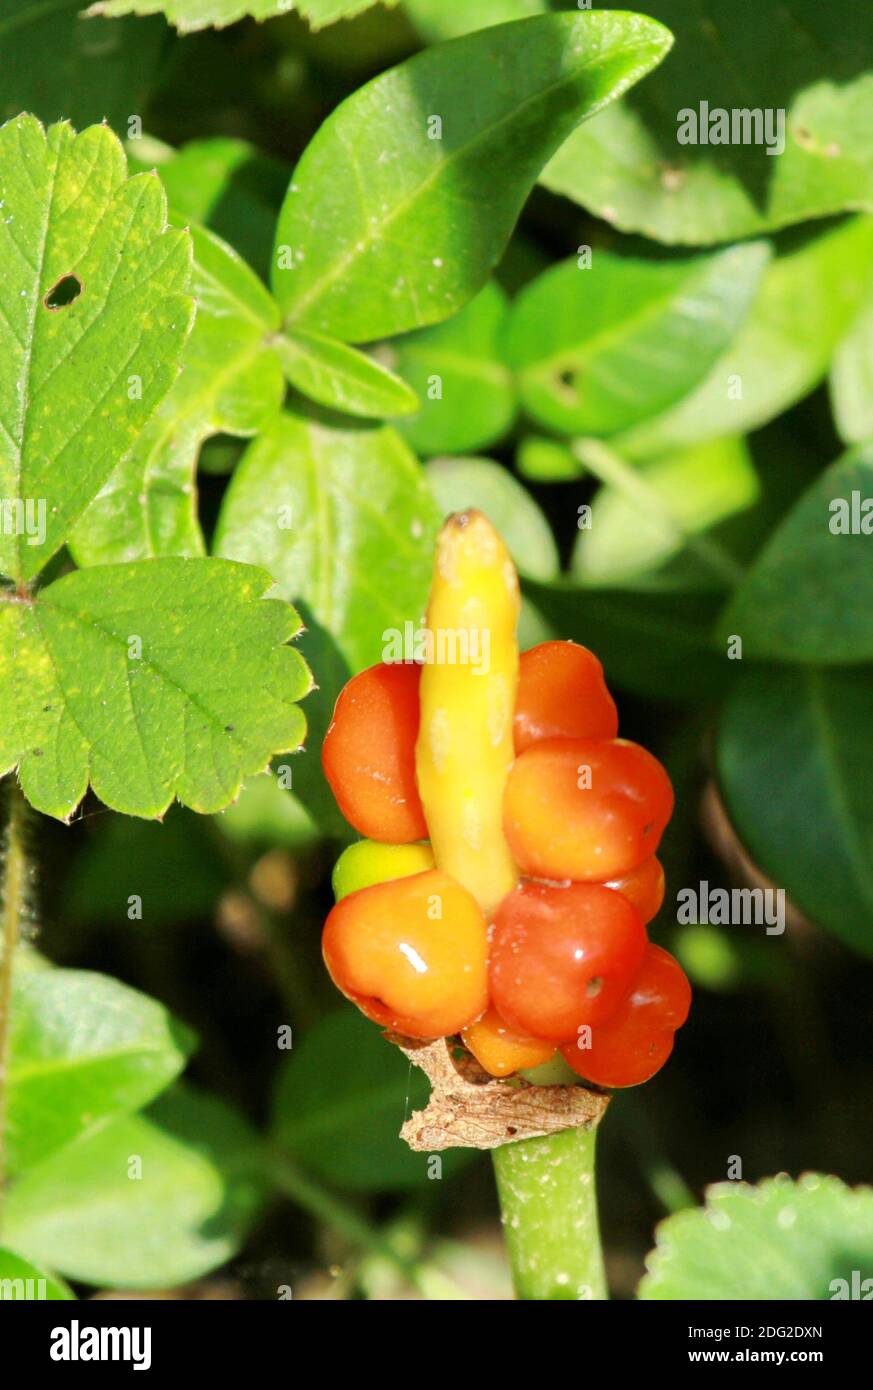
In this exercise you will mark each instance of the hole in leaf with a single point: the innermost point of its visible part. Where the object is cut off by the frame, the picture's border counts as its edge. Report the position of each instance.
(63, 292)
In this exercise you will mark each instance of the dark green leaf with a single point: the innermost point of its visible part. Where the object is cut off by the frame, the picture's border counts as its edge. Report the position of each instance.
(795, 763)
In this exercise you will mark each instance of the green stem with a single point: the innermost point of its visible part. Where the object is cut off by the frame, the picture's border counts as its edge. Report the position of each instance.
(14, 900)
(611, 469)
(548, 1200)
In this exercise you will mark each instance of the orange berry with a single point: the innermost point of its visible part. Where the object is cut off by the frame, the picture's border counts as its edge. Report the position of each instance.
(636, 1042)
(585, 809)
(412, 954)
(562, 957)
(644, 888)
(500, 1051)
(562, 694)
(369, 754)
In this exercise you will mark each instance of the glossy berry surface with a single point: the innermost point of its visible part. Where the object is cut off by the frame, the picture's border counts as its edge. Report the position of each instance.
(584, 809)
(562, 957)
(369, 754)
(644, 888)
(500, 1051)
(636, 1042)
(369, 862)
(562, 694)
(412, 954)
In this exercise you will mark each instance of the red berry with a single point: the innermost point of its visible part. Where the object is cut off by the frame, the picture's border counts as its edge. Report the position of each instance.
(369, 754)
(644, 888)
(636, 1042)
(411, 953)
(562, 957)
(562, 694)
(584, 809)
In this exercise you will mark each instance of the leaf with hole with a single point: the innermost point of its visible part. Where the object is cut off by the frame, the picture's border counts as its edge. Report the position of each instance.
(230, 383)
(794, 756)
(405, 199)
(758, 121)
(466, 391)
(809, 298)
(160, 679)
(80, 380)
(83, 1048)
(147, 1201)
(809, 1239)
(344, 520)
(598, 349)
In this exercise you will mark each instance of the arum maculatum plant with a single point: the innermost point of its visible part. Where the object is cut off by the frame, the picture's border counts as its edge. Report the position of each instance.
(494, 920)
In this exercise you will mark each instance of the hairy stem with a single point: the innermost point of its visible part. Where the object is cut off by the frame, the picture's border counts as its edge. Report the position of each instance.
(14, 899)
(548, 1200)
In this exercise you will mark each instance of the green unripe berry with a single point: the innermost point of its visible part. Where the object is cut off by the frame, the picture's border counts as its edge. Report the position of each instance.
(368, 862)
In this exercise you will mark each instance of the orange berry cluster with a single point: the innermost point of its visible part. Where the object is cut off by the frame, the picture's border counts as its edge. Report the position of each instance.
(565, 962)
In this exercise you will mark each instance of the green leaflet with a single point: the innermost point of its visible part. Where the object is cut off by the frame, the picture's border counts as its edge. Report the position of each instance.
(405, 199)
(808, 62)
(337, 376)
(466, 392)
(146, 1202)
(459, 483)
(230, 382)
(600, 347)
(80, 380)
(809, 298)
(851, 380)
(794, 757)
(777, 1240)
(160, 679)
(83, 1048)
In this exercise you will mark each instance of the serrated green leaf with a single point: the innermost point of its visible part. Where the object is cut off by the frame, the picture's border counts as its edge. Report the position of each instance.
(809, 298)
(599, 349)
(188, 16)
(465, 389)
(205, 699)
(631, 539)
(795, 765)
(809, 1239)
(386, 228)
(83, 1047)
(852, 381)
(146, 1202)
(810, 63)
(341, 1098)
(341, 378)
(230, 383)
(344, 520)
(21, 1280)
(79, 381)
(460, 483)
(56, 66)
(809, 595)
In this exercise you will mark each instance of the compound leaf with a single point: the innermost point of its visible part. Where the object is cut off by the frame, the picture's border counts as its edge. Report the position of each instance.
(341, 378)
